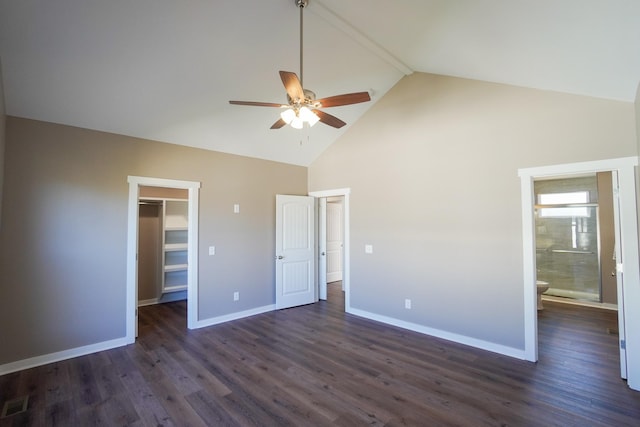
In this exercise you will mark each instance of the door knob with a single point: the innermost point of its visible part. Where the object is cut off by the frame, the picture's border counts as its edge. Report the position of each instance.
(279, 257)
(323, 254)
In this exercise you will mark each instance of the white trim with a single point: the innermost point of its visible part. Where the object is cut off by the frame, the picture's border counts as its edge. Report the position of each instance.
(625, 168)
(61, 355)
(132, 248)
(529, 272)
(331, 193)
(346, 264)
(145, 302)
(234, 316)
(438, 333)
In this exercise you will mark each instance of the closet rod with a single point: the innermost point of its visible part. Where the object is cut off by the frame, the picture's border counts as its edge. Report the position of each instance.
(150, 202)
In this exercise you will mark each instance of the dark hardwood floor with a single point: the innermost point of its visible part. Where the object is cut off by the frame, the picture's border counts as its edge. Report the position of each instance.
(315, 365)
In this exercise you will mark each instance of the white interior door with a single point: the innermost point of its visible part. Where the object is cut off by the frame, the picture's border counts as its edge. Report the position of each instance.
(619, 277)
(334, 241)
(322, 248)
(295, 251)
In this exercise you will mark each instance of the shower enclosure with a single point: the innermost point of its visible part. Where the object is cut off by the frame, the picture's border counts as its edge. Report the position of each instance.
(568, 237)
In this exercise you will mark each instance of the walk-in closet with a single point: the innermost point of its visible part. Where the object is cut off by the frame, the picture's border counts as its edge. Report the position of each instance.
(162, 245)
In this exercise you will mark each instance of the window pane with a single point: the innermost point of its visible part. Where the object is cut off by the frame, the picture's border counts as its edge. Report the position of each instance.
(563, 198)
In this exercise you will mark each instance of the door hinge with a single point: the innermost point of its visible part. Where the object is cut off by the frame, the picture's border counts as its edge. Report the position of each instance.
(623, 345)
(619, 268)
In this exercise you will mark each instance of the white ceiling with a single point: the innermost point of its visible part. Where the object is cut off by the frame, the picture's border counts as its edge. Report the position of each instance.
(165, 69)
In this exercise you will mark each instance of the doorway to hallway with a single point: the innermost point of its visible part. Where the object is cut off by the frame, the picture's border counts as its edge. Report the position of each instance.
(340, 223)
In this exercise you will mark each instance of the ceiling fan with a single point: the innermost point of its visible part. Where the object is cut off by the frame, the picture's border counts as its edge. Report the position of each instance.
(303, 107)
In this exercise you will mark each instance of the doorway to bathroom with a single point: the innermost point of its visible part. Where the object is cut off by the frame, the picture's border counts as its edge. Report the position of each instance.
(575, 238)
(626, 248)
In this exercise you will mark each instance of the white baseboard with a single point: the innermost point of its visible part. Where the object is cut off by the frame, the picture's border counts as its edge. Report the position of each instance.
(461, 339)
(167, 297)
(233, 316)
(32, 362)
(145, 302)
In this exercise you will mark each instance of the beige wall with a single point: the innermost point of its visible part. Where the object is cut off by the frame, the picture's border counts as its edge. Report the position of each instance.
(433, 170)
(64, 241)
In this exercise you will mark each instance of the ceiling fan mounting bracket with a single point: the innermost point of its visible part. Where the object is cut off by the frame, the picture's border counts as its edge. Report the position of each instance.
(301, 3)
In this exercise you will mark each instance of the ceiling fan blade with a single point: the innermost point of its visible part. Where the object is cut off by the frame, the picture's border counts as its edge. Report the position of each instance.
(328, 119)
(292, 85)
(278, 124)
(257, 104)
(344, 99)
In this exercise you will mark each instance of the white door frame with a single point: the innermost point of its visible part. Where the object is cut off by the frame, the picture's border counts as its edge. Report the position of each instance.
(628, 220)
(132, 249)
(346, 263)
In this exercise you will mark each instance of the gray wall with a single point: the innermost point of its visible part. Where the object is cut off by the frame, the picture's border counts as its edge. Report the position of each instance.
(64, 240)
(433, 170)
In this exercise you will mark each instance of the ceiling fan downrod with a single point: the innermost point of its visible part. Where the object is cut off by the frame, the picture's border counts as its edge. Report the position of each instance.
(301, 4)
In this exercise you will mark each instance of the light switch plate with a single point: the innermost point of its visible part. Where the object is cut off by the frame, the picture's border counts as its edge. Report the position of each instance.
(212, 250)
(236, 208)
(368, 249)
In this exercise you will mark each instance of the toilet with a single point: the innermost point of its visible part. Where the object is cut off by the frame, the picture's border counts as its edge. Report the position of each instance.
(542, 287)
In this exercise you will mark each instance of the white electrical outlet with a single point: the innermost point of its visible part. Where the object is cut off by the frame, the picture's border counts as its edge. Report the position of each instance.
(236, 296)
(407, 304)
(368, 249)
(212, 250)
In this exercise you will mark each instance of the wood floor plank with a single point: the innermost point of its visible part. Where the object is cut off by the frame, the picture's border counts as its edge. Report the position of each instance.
(147, 405)
(207, 381)
(316, 365)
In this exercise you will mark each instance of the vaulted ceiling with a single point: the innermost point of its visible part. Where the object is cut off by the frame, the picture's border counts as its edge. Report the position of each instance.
(165, 70)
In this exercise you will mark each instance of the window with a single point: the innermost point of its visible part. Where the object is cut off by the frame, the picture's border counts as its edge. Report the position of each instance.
(577, 197)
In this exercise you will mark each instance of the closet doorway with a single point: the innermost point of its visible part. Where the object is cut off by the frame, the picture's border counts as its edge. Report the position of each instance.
(163, 226)
(162, 246)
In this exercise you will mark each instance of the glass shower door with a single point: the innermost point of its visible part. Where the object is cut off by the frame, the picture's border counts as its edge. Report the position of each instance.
(567, 253)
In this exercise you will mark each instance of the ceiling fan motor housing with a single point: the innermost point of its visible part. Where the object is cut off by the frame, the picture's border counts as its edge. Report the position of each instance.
(309, 100)
(301, 3)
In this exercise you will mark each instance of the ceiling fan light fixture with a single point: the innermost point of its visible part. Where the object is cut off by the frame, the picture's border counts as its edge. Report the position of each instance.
(288, 115)
(308, 116)
(297, 123)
